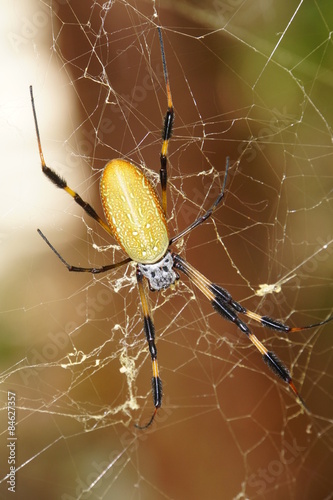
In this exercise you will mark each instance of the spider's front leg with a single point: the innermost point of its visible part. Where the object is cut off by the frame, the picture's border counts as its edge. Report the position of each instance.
(229, 309)
(149, 330)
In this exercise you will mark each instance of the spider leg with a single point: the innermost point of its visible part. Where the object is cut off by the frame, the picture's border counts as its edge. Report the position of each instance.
(61, 183)
(281, 327)
(149, 330)
(167, 128)
(229, 309)
(209, 212)
(93, 270)
(265, 321)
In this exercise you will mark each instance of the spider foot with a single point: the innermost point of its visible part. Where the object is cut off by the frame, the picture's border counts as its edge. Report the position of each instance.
(148, 424)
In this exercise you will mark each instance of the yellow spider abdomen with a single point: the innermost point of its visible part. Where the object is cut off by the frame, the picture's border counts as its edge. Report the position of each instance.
(133, 212)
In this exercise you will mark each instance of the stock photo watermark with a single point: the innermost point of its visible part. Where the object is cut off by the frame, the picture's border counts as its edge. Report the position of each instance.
(117, 459)
(29, 27)
(57, 343)
(265, 477)
(11, 441)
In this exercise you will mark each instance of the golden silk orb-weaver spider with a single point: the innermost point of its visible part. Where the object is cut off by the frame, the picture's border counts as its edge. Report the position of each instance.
(136, 218)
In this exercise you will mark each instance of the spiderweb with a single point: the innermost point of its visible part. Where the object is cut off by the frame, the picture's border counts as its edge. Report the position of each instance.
(249, 80)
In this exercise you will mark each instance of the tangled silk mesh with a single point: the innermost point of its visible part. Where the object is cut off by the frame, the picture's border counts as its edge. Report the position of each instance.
(247, 82)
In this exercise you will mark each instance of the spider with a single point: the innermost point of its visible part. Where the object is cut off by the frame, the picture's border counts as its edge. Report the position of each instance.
(136, 218)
